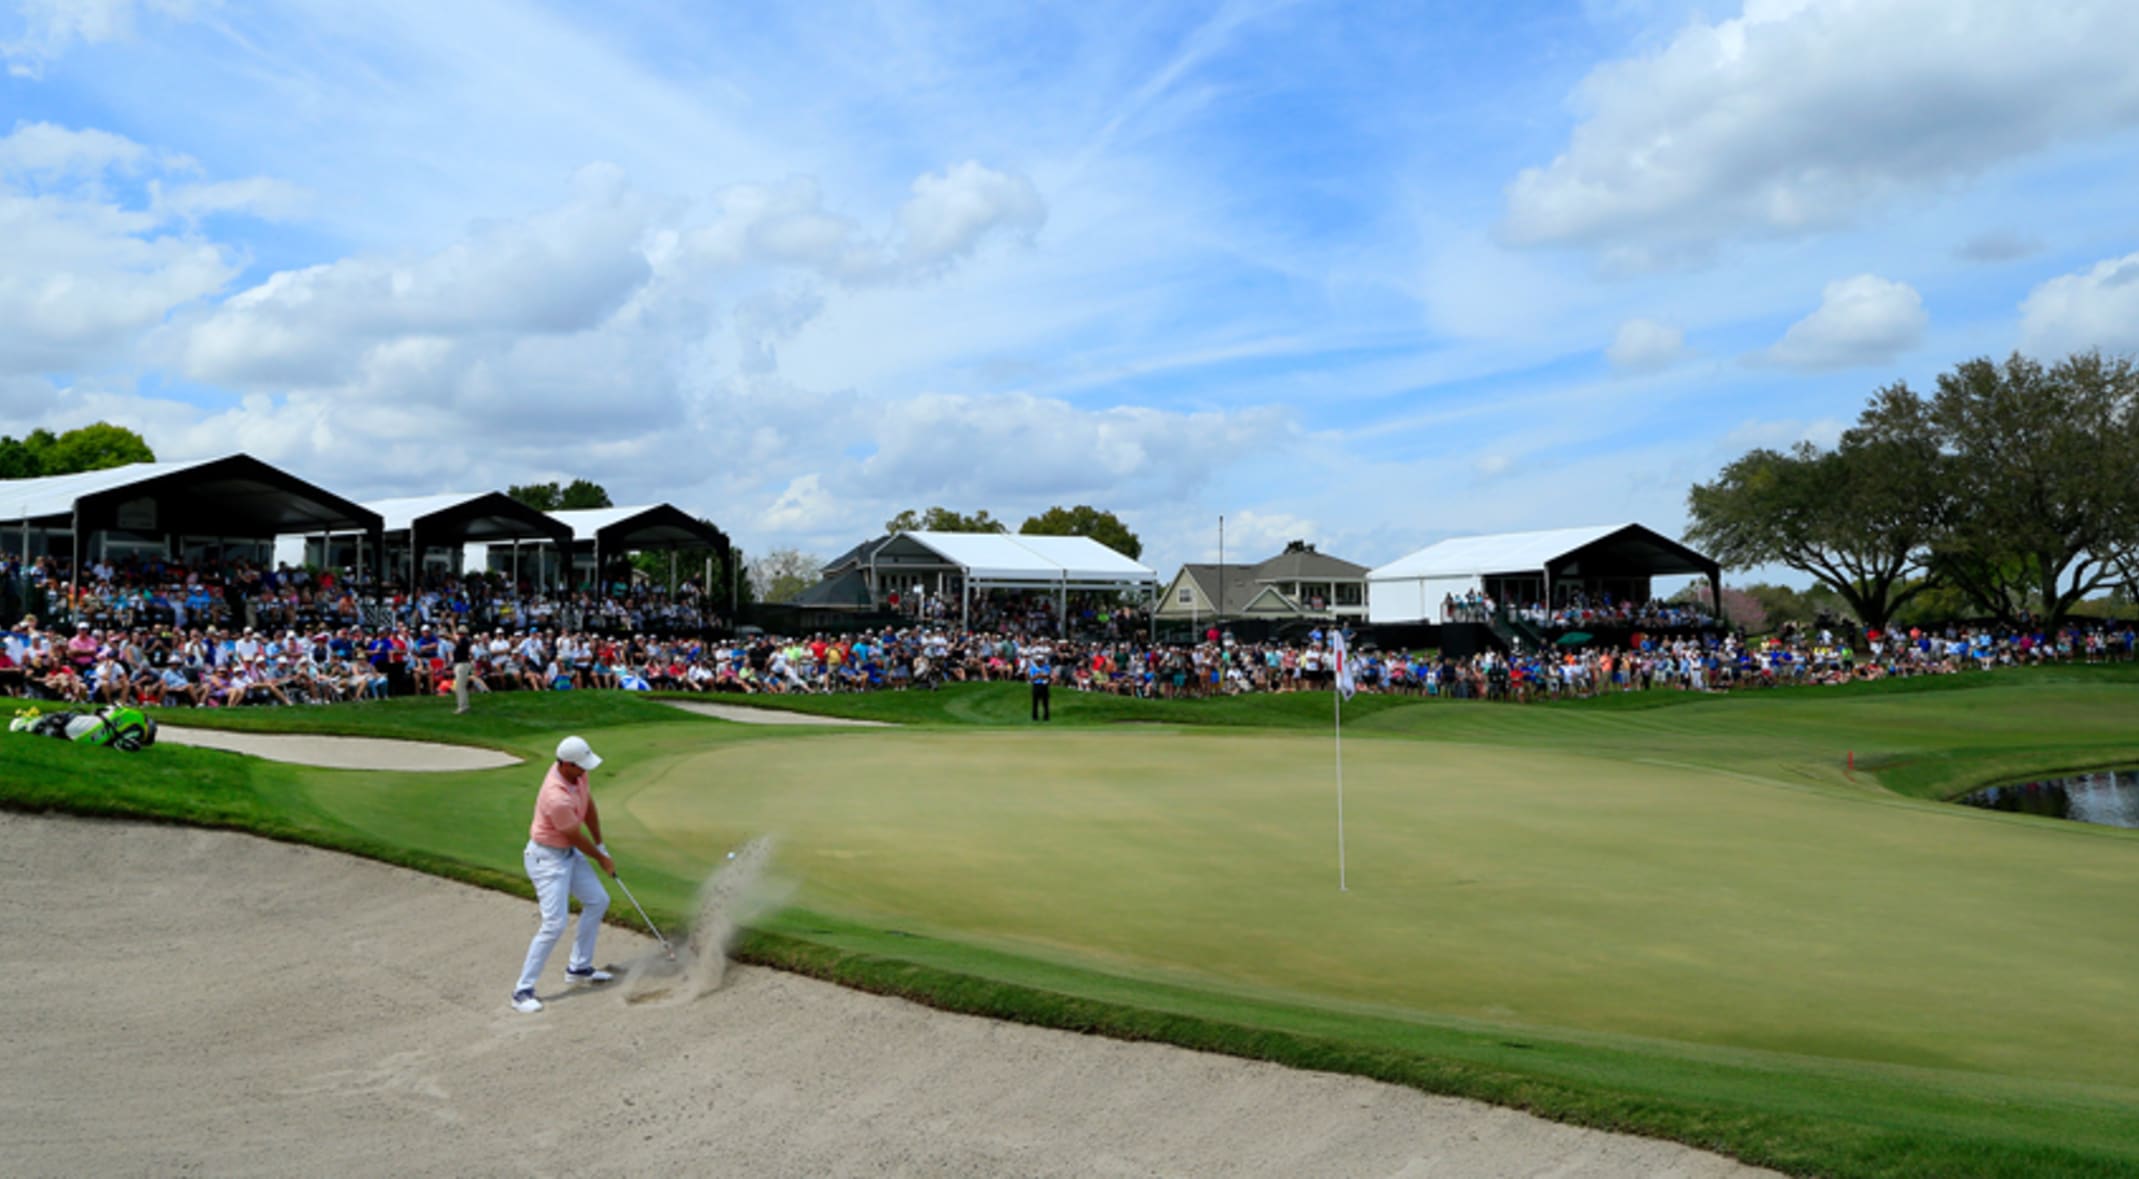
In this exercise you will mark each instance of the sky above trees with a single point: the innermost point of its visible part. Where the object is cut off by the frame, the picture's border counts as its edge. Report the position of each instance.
(1369, 274)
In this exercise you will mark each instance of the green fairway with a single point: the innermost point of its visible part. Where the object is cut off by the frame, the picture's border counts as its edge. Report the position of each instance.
(1677, 915)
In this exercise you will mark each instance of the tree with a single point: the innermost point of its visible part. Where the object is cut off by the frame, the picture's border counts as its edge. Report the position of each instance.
(543, 497)
(1781, 603)
(942, 520)
(551, 497)
(1295, 546)
(1861, 518)
(94, 447)
(1741, 607)
(2046, 490)
(782, 573)
(1082, 520)
(19, 460)
(581, 494)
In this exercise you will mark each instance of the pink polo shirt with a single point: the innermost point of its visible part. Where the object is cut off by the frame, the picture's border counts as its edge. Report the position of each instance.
(560, 810)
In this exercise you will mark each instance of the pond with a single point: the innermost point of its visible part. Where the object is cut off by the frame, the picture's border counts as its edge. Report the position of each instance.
(2108, 797)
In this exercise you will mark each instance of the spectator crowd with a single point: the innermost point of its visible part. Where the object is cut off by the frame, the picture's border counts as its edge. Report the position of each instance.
(217, 635)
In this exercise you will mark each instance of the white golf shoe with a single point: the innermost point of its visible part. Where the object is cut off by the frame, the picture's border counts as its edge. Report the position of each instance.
(592, 974)
(525, 1002)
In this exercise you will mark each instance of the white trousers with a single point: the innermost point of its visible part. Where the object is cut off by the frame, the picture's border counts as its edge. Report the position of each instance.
(560, 874)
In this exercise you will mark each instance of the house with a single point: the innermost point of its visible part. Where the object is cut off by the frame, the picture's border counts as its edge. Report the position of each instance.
(1298, 583)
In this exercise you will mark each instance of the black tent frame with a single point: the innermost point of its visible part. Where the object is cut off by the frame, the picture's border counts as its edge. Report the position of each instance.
(483, 519)
(1634, 551)
(660, 527)
(238, 497)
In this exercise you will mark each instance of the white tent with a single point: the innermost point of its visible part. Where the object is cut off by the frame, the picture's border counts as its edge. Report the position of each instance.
(1000, 560)
(1412, 588)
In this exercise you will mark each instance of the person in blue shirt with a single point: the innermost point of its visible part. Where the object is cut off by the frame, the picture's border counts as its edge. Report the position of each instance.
(1040, 670)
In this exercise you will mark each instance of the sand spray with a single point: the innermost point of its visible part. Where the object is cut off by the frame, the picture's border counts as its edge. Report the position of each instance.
(737, 892)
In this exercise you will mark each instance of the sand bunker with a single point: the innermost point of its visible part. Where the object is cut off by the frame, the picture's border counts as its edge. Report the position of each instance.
(188, 1001)
(744, 714)
(343, 753)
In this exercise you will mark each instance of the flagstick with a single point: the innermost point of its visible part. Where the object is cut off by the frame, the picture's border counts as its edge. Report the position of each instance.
(1337, 700)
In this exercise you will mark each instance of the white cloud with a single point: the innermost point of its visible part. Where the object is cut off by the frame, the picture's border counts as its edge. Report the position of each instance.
(2081, 312)
(256, 196)
(1797, 115)
(45, 152)
(804, 507)
(1252, 535)
(51, 27)
(563, 271)
(1645, 346)
(952, 211)
(1020, 447)
(81, 275)
(947, 217)
(1862, 320)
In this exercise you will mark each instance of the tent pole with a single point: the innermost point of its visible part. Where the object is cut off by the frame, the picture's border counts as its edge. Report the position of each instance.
(672, 573)
(74, 561)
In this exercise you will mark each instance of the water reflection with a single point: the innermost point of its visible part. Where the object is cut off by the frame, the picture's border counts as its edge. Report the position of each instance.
(2110, 797)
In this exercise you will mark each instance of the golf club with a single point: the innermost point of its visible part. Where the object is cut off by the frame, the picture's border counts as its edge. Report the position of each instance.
(665, 947)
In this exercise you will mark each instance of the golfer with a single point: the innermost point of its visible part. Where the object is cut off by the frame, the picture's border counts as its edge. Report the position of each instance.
(566, 833)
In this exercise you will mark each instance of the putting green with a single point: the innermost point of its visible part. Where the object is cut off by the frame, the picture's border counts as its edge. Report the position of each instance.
(1587, 894)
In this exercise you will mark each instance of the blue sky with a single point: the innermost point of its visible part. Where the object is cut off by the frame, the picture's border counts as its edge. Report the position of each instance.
(1366, 274)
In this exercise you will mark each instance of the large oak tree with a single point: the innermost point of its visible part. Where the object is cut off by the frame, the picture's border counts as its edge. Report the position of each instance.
(1861, 518)
(2044, 475)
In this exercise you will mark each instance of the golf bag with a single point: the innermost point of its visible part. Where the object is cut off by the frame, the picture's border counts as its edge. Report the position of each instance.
(113, 725)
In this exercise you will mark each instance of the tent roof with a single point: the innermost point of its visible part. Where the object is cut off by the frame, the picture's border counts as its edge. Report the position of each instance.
(648, 526)
(1629, 546)
(235, 495)
(470, 516)
(1015, 560)
(1086, 559)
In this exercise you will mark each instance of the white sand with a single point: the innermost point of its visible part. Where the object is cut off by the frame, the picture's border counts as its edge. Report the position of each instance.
(343, 753)
(744, 714)
(187, 1001)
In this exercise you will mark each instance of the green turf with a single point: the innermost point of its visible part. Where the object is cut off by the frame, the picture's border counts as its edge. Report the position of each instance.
(1676, 915)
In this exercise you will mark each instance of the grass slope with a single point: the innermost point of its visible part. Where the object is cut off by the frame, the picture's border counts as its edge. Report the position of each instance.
(1845, 1105)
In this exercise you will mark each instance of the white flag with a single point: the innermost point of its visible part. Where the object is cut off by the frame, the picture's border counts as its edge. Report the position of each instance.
(1345, 687)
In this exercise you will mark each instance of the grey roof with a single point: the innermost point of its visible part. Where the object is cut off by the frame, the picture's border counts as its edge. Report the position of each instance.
(846, 591)
(1240, 585)
(1309, 566)
(856, 556)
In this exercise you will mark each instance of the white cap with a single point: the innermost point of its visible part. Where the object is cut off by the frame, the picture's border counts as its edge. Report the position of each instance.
(575, 750)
